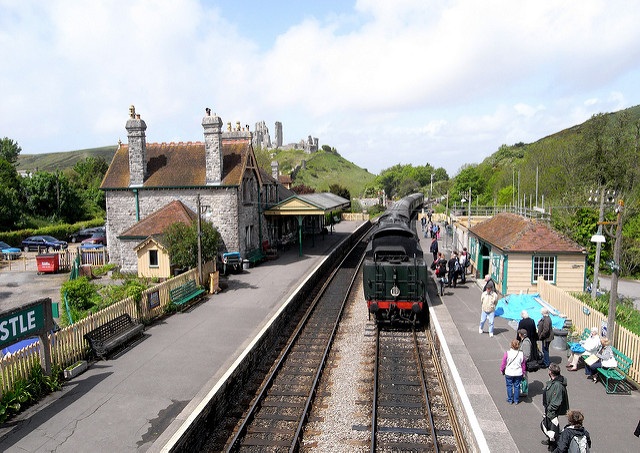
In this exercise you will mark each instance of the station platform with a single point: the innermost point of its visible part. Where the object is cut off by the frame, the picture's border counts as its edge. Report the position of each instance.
(136, 400)
(610, 419)
(127, 403)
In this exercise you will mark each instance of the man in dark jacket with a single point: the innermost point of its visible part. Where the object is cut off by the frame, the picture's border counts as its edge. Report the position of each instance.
(529, 325)
(434, 249)
(453, 272)
(545, 335)
(555, 400)
(573, 430)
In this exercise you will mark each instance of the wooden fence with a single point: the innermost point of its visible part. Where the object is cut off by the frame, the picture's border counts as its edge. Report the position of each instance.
(68, 344)
(584, 317)
(94, 257)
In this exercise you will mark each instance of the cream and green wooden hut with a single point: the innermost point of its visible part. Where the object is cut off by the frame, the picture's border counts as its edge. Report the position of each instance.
(515, 251)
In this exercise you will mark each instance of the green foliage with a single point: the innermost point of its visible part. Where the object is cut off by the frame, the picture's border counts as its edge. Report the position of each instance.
(626, 314)
(340, 191)
(87, 177)
(401, 180)
(9, 150)
(376, 210)
(30, 390)
(51, 195)
(182, 242)
(81, 293)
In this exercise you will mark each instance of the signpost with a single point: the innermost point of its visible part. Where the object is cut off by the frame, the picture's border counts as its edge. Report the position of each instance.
(35, 318)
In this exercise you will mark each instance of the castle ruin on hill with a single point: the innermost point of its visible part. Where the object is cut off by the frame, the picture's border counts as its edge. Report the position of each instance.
(262, 139)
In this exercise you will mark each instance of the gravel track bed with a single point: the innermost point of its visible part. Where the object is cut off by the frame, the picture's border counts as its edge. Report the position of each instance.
(341, 415)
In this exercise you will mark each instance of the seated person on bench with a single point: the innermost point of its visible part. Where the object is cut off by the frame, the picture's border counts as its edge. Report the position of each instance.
(590, 346)
(605, 360)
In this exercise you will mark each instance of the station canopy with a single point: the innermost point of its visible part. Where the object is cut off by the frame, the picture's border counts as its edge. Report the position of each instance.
(309, 204)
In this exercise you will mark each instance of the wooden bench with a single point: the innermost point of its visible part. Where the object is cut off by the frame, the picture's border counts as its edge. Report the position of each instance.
(182, 294)
(112, 334)
(614, 379)
(255, 256)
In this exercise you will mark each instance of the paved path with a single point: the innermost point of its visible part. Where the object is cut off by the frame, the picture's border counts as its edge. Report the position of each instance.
(125, 403)
(611, 419)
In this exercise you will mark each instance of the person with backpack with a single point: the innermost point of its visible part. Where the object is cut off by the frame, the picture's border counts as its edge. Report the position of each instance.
(555, 400)
(574, 438)
(454, 270)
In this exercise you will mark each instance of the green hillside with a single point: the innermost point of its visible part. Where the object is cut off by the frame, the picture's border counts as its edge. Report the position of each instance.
(323, 169)
(62, 160)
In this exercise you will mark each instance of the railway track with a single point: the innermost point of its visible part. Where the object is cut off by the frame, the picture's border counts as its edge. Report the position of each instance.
(411, 410)
(277, 415)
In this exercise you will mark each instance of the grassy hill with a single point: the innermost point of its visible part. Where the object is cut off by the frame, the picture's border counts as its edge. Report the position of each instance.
(323, 168)
(62, 160)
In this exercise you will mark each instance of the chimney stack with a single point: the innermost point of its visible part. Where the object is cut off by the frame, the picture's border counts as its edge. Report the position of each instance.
(137, 148)
(213, 147)
(275, 170)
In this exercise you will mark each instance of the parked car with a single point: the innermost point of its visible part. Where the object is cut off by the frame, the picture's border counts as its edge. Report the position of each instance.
(43, 243)
(99, 237)
(8, 252)
(86, 233)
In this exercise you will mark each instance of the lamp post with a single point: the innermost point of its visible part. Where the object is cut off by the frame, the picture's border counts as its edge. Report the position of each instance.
(598, 238)
(469, 212)
(431, 188)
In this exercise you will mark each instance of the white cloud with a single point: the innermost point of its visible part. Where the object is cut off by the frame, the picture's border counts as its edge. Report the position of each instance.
(413, 81)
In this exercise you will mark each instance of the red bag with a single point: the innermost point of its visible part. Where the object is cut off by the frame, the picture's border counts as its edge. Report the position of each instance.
(438, 272)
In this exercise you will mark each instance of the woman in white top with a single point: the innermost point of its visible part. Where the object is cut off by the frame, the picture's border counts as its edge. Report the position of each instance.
(590, 346)
(513, 368)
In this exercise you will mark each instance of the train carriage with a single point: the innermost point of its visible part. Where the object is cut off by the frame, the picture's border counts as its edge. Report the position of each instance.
(394, 270)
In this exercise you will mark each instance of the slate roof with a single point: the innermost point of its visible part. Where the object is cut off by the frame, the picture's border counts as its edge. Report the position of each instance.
(155, 224)
(513, 233)
(179, 164)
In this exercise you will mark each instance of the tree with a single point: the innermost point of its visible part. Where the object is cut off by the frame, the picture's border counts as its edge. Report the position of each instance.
(9, 150)
(301, 189)
(51, 195)
(340, 191)
(88, 174)
(182, 242)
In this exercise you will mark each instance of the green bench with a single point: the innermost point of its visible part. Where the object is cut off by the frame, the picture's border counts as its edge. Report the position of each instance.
(255, 256)
(182, 294)
(614, 379)
(586, 333)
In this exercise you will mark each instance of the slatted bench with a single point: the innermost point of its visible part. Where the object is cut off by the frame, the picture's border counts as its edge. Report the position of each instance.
(614, 379)
(112, 334)
(184, 293)
(255, 256)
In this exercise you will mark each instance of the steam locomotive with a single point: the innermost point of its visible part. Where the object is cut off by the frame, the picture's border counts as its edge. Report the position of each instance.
(394, 271)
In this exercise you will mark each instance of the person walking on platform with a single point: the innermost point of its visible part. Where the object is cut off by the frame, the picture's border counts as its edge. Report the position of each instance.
(454, 269)
(489, 301)
(529, 326)
(513, 367)
(545, 334)
(489, 283)
(574, 434)
(433, 248)
(555, 400)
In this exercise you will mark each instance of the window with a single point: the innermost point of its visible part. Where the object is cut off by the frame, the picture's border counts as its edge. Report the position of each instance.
(544, 266)
(248, 240)
(153, 258)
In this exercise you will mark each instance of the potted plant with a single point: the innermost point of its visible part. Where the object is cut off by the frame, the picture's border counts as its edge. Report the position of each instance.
(75, 369)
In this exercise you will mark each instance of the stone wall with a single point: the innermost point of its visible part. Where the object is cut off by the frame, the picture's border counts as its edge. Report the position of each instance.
(220, 206)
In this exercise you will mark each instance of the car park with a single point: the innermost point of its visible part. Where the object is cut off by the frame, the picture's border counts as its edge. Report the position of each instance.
(8, 252)
(85, 233)
(42, 243)
(97, 238)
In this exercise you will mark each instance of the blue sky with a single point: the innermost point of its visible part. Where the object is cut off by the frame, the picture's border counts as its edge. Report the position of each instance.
(384, 82)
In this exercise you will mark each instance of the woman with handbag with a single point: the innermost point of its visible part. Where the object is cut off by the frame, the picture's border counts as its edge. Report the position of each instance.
(525, 347)
(605, 360)
(513, 368)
